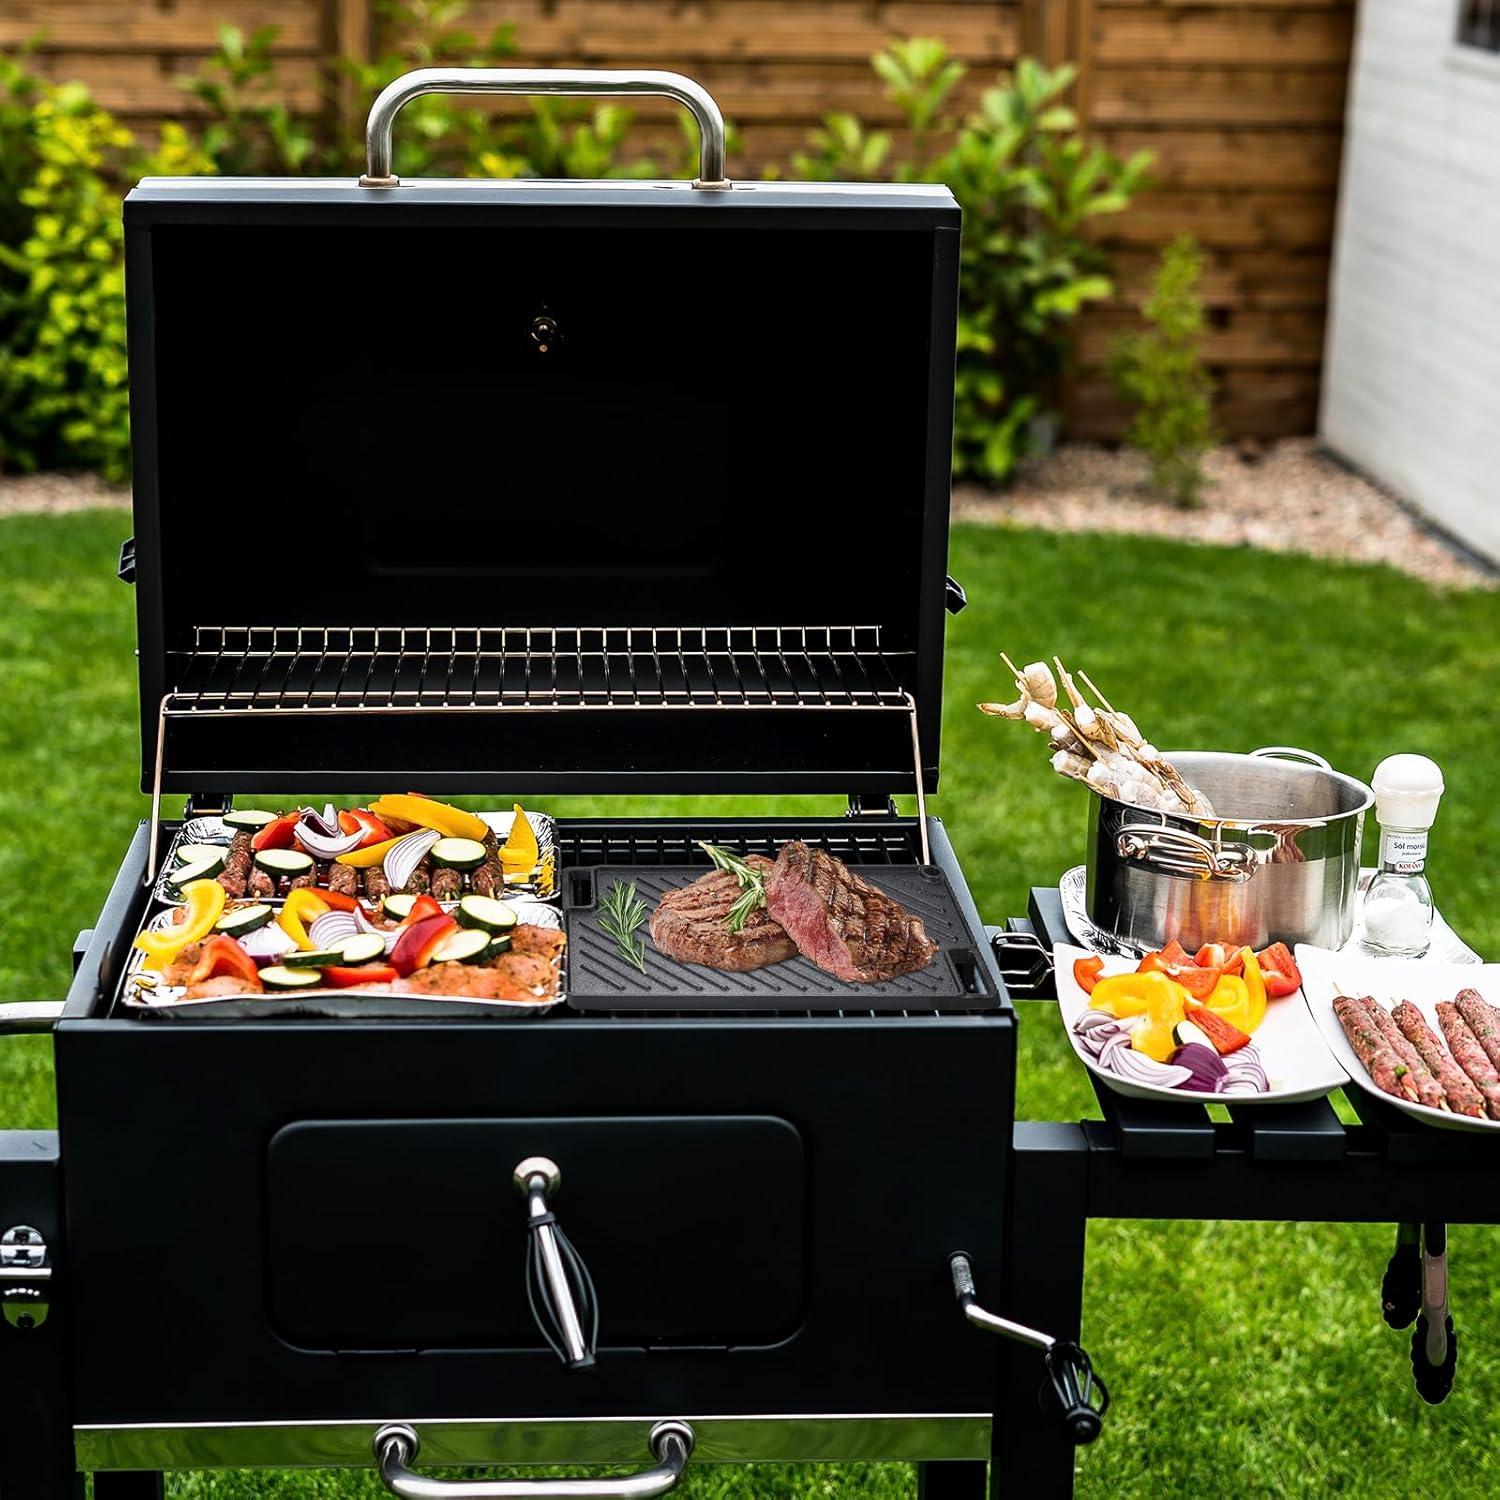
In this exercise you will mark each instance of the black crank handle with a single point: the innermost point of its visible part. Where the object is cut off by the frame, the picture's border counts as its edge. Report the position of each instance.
(1072, 1392)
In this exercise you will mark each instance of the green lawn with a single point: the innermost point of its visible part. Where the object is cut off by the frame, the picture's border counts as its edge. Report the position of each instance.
(1244, 1360)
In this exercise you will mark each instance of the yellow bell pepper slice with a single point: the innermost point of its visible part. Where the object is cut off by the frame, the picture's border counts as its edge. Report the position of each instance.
(1125, 995)
(371, 855)
(1255, 986)
(520, 851)
(1231, 999)
(301, 904)
(451, 822)
(205, 905)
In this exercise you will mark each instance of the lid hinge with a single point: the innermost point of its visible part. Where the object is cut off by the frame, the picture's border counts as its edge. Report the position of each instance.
(208, 804)
(125, 569)
(871, 805)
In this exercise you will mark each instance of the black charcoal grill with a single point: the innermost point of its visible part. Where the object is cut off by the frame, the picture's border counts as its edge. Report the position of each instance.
(526, 489)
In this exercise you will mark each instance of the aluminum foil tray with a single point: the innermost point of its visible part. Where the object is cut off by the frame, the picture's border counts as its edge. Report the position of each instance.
(599, 979)
(541, 883)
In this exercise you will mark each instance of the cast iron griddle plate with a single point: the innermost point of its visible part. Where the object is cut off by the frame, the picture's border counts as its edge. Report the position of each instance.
(599, 979)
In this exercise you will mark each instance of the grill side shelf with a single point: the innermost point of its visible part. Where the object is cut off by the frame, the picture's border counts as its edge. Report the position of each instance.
(599, 979)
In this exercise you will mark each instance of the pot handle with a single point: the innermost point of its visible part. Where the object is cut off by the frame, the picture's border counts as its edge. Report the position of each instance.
(396, 1446)
(547, 82)
(1291, 752)
(1177, 852)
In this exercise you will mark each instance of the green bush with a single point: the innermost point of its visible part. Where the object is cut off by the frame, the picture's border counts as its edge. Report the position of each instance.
(63, 393)
(1028, 185)
(1161, 373)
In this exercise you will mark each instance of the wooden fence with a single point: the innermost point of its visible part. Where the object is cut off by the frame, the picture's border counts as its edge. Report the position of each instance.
(1242, 102)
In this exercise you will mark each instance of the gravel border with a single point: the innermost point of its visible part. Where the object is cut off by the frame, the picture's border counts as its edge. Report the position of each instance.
(1291, 496)
(57, 494)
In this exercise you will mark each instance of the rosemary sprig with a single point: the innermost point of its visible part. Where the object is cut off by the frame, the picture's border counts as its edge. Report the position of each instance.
(621, 914)
(752, 885)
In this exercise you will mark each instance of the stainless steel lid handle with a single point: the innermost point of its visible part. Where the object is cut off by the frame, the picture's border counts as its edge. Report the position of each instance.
(558, 1285)
(1291, 752)
(396, 1448)
(544, 82)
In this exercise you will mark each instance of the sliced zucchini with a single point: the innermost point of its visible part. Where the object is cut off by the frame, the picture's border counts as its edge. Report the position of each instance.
(192, 854)
(250, 819)
(244, 919)
(288, 862)
(315, 958)
(279, 977)
(499, 944)
(398, 906)
(205, 869)
(485, 913)
(458, 854)
(362, 948)
(466, 946)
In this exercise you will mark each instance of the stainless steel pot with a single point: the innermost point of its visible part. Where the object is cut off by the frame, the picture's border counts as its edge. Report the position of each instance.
(1279, 862)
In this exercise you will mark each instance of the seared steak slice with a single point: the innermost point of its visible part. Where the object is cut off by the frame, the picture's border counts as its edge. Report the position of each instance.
(842, 923)
(688, 925)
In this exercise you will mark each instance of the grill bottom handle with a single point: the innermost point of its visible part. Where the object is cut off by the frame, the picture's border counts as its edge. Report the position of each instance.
(1071, 1391)
(396, 1447)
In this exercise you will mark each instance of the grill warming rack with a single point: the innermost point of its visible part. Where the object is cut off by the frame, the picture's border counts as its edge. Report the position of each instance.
(241, 671)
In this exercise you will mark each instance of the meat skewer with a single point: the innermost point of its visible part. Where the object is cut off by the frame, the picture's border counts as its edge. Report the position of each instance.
(260, 884)
(1429, 1090)
(1463, 1098)
(447, 885)
(344, 879)
(1483, 1020)
(1470, 1055)
(1388, 1073)
(421, 878)
(377, 887)
(235, 875)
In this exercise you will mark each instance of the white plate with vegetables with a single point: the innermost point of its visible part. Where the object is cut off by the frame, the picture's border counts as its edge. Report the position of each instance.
(1458, 1074)
(1285, 1062)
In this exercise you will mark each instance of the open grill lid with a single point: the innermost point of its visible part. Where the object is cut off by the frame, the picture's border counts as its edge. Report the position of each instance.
(540, 487)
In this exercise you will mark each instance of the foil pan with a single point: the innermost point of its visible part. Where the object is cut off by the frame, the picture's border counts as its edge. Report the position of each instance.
(165, 1002)
(541, 882)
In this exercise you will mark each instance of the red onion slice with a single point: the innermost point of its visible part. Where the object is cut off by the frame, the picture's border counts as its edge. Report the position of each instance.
(325, 822)
(327, 846)
(403, 857)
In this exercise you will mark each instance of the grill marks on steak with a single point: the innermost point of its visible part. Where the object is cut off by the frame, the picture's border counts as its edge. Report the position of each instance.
(688, 925)
(842, 923)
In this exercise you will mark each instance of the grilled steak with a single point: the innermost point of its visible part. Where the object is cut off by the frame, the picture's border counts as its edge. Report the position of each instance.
(688, 925)
(842, 923)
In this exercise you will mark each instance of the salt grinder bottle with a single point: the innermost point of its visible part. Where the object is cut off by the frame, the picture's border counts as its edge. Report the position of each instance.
(1398, 904)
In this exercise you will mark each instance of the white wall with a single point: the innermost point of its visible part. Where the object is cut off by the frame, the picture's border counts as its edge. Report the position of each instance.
(1411, 388)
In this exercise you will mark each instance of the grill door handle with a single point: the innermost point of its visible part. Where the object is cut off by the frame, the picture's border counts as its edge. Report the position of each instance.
(543, 82)
(671, 1445)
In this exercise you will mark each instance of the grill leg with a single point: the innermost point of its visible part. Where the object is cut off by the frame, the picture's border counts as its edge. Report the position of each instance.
(1032, 1455)
(953, 1480)
(132, 1485)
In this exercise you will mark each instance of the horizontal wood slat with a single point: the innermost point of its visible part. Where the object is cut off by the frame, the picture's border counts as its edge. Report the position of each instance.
(1241, 101)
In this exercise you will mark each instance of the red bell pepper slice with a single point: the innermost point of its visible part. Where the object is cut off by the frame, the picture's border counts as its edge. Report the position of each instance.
(223, 955)
(1279, 971)
(344, 977)
(1225, 1035)
(277, 835)
(338, 901)
(415, 945)
(1086, 972)
(422, 908)
(1221, 956)
(361, 819)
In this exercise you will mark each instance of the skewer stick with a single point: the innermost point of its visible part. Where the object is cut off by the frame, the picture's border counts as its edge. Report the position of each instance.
(1015, 671)
(1074, 696)
(1088, 682)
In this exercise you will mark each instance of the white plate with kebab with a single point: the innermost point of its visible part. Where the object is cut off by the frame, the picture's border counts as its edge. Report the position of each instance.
(1424, 1037)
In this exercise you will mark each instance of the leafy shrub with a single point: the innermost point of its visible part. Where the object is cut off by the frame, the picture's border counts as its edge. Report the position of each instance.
(1028, 185)
(1161, 372)
(63, 393)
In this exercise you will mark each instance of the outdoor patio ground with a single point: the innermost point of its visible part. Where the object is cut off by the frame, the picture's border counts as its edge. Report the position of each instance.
(1245, 1360)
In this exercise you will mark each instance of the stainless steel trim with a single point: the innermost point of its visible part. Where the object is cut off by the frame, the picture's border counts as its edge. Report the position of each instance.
(670, 1442)
(23, 1017)
(962, 1271)
(547, 82)
(791, 1438)
(25, 1277)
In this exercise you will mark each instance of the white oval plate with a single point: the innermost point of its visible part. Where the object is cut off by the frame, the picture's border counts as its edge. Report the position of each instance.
(1326, 975)
(1297, 1062)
